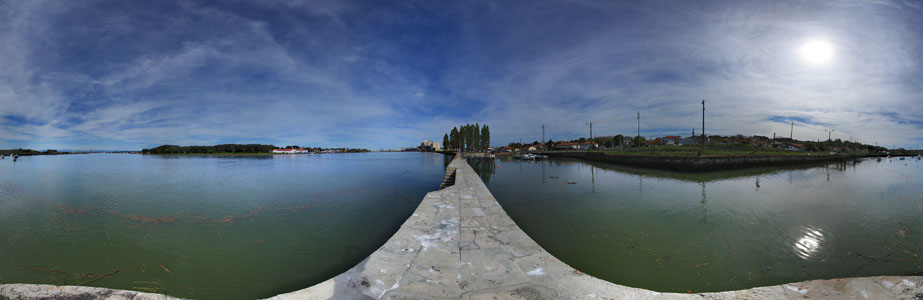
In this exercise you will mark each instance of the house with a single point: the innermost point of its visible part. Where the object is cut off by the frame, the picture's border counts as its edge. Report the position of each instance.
(535, 148)
(567, 146)
(428, 145)
(290, 151)
(693, 140)
(587, 146)
(671, 140)
(506, 149)
(793, 147)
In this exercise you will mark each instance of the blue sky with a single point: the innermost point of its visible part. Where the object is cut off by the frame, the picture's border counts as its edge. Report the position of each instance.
(136, 74)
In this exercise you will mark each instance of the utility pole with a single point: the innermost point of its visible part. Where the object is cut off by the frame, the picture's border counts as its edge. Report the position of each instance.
(791, 134)
(591, 129)
(543, 134)
(639, 123)
(703, 117)
(704, 139)
(829, 132)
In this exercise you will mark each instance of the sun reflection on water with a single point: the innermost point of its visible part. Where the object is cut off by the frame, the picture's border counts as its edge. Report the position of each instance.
(809, 243)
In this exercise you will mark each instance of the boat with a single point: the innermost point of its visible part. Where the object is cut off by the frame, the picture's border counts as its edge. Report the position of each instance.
(879, 158)
(528, 156)
(902, 158)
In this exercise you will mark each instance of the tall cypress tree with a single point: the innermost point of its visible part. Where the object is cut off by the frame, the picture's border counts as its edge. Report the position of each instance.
(477, 136)
(470, 137)
(445, 141)
(485, 137)
(454, 141)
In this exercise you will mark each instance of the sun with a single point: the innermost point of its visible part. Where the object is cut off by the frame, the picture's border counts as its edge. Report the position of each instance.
(817, 52)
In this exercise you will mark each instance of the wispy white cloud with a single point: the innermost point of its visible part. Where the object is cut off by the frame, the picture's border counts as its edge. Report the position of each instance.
(339, 73)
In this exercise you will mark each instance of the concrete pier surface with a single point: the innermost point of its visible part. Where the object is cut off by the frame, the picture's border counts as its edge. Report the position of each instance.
(460, 244)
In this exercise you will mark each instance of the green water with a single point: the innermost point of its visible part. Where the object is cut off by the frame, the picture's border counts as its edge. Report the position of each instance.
(718, 231)
(206, 227)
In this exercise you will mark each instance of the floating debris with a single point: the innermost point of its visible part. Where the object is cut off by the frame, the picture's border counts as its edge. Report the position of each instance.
(98, 277)
(33, 268)
(903, 231)
(71, 211)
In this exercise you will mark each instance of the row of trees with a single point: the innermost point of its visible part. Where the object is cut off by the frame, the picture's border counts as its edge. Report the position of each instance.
(236, 148)
(605, 141)
(224, 148)
(468, 137)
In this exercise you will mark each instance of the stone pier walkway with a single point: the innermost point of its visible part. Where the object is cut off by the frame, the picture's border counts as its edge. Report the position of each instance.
(459, 243)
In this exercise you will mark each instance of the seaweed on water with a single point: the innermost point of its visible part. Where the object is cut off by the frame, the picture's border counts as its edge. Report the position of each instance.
(73, 275)
(72, 211)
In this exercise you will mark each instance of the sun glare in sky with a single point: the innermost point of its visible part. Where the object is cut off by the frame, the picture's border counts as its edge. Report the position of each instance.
(817, 52)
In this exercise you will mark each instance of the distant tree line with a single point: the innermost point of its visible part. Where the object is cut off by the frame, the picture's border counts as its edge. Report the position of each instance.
(20, 151)
(467, 138)
(224, 148)
(236, 148)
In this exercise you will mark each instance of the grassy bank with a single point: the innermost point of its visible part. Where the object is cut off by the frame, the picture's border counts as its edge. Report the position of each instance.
(691, 159)
(698, 151)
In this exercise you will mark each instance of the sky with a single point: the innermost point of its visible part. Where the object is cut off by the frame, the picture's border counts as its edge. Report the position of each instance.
(127, 75)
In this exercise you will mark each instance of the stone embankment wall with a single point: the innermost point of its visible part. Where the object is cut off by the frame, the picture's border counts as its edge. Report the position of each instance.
(706, 163)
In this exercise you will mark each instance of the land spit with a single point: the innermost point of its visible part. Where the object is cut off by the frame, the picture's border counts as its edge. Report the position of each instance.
(703, 163)
(460, 244)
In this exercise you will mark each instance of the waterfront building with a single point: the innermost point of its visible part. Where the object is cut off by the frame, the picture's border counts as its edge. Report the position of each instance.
(671, 140)
(587, 146)
(566, 146)
(428, 145)
(291, 151)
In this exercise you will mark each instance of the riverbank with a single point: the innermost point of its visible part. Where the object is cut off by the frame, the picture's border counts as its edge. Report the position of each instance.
(688, 163)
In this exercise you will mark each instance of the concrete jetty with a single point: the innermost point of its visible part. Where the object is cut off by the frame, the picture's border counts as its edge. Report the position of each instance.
(460, 244)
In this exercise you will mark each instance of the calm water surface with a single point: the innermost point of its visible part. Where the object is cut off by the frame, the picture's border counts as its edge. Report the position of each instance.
(203, 226)
(718, 231)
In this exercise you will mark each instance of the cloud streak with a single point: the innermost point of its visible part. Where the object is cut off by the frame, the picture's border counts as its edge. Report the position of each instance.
(114, 75)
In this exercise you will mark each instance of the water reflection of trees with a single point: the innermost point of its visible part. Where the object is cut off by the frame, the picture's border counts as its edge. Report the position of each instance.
(485, 167)
(709, 176)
